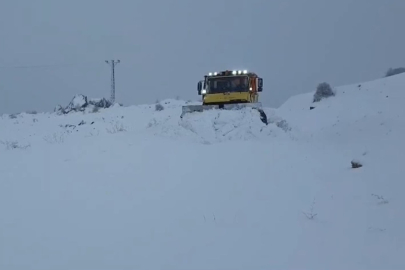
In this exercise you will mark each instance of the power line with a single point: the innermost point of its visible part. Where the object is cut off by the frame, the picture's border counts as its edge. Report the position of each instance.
(42, 66)
(112, 63)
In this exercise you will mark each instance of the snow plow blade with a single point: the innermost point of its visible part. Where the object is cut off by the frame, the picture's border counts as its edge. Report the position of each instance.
(237, 106)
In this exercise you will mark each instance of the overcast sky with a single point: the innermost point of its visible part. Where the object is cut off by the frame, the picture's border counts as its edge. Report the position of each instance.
(51, 50)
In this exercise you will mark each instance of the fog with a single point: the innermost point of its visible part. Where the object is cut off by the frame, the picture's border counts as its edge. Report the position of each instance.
(51, 50)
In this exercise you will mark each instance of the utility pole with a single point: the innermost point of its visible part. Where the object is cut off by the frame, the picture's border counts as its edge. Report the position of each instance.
(112, 63)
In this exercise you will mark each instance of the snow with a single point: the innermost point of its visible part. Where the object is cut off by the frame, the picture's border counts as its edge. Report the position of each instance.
(135, 188)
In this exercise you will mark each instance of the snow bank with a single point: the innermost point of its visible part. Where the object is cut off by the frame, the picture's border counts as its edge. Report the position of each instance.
(208, 127)
(216, 126)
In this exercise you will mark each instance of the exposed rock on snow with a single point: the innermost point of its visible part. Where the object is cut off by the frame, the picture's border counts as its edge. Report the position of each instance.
(356, 164)
(100, 102)
(80, 103)
(59, 110)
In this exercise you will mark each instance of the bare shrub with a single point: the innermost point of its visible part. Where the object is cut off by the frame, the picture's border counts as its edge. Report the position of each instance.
(283, 125)
(159, 107)
(376, 229)
(394, 71)
(380, 199)
(14, 145)
(356, 164)
(311, 214)
(324, 90)
(152, 123)
(93, 133)
(55, 138)
(116, 127)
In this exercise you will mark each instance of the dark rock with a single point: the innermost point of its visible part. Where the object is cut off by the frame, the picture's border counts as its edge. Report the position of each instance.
(356, 164)
(100, 103)
(80, 102)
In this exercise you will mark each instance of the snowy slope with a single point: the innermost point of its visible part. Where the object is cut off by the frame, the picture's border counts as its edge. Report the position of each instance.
(365, 120)
(368, 109)
(131, 187)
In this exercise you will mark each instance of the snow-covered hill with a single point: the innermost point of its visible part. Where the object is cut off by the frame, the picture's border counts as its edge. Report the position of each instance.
(134, 187)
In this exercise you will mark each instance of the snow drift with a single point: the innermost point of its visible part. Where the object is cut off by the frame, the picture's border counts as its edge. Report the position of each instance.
(135, 187)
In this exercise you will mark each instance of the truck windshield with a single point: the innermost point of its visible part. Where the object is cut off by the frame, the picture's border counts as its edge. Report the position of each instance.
(228, 84)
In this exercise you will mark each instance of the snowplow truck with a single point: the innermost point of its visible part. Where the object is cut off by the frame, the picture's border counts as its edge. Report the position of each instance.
(229, 90)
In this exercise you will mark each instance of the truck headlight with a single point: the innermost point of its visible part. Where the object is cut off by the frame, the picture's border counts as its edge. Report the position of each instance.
(203, 91)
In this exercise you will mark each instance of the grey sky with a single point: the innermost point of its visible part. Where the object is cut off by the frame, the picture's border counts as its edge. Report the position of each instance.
(166, 46)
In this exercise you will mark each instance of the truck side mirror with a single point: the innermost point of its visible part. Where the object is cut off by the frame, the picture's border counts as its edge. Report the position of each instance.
(199, 87)
(259, 84)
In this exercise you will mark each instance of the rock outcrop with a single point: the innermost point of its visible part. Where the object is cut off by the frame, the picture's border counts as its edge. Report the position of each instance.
(81, 103)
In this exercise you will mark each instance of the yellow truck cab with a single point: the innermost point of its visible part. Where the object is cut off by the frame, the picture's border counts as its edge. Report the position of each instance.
(229, 90)
(230, 87)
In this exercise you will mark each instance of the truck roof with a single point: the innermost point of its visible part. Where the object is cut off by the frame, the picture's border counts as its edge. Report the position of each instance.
(231, 73)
